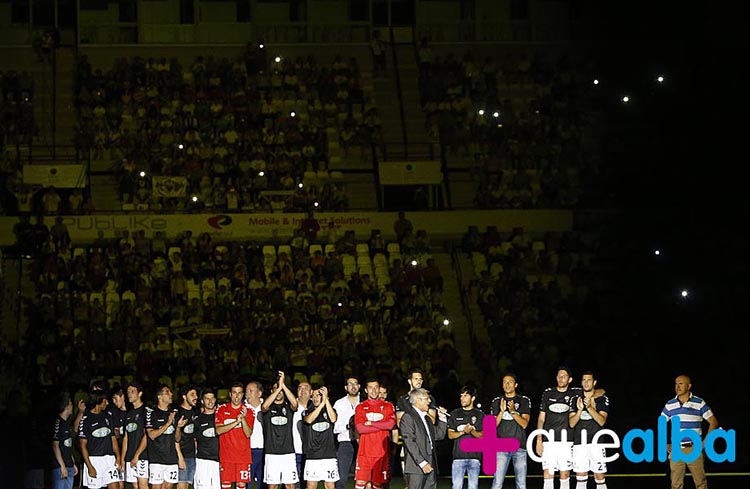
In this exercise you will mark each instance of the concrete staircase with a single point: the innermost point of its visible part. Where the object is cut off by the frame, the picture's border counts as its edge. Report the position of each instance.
(65, 112)
(43, 95)
(486, 379)
(468, 370)
(420, 146)
(11, 330)
(385, 94)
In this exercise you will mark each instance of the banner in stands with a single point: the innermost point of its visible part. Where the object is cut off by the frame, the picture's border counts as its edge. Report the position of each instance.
(282, 226)
(169, 186)
(410, 173)
(60, 176)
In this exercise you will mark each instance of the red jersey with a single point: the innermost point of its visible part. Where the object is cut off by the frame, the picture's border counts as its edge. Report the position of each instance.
(373, 439)
(234, 446)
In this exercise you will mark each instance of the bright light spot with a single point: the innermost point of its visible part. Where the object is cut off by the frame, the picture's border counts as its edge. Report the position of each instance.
(180, 146)
(684, 293)
(340, 304)
(481, 111)
(293, 114)
(496, 114)
(300, 184)
(499, 125)
(142, 174)
(625, 99)
(195, 198)
(414, 263)
(261, 173)
(596, 81)
(261, 45)
(657, 252)
(316, 204)
(446, 322)
(277, 59)
(660, 79)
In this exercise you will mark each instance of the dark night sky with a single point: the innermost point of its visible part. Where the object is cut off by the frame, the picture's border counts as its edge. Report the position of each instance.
(682, 193)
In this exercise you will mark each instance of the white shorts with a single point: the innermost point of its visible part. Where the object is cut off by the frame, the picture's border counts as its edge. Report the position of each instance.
(139, 472)
(280, 469)
(589, 458)
(324, 469)
(207, 474)
(106, 472)
(159, 473)
(557, 456)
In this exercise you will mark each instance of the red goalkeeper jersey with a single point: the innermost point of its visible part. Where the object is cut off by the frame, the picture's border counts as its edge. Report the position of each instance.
(234, 446)
(373, 439)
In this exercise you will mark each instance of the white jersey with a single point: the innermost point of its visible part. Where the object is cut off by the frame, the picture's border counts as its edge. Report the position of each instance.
(256, 439)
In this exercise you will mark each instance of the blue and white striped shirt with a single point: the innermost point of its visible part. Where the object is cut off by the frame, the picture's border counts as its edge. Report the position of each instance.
(691, 413)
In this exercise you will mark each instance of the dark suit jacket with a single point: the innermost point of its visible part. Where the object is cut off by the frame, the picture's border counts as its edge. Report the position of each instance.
(416, 444)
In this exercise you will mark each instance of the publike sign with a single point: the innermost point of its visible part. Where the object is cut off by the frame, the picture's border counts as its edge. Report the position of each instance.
(654, 444)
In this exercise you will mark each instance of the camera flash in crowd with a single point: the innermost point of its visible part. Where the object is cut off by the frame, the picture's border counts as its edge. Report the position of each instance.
(414, 263)
(293, 114)
(261, 173)
(277, 59)
(660, 79)
(481, 112)
(625, 99)
(300, 184)
(261, 46)
(180, 146)
(195, 198)
(316, 204)
(596, 81)
(446, 321)
(657, 252)
(684, 293)
(142, 174)
(496, 114)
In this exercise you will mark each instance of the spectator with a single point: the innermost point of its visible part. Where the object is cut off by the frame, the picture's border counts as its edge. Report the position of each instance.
(51, 201)
(402, 226)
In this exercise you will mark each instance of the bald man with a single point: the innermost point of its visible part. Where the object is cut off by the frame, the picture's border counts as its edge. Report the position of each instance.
(691, 411)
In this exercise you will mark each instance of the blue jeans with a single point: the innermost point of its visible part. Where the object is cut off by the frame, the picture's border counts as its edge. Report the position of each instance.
(519, 468)
(58, 482)
(468, 466)
(345, 456)
(256, 468)
(187, 475)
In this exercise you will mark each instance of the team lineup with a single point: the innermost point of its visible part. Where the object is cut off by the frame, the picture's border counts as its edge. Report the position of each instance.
(304, 438)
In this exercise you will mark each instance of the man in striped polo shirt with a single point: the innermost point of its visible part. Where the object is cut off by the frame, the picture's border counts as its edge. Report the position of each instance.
(691, 411)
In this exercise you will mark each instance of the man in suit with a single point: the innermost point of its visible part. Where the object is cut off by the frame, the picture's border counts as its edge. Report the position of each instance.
(420, 435)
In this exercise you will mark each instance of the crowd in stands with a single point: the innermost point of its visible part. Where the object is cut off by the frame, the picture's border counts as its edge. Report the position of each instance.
(533, 292)
(230, 130)
(16, 109)
(525, 121)
(186, 308)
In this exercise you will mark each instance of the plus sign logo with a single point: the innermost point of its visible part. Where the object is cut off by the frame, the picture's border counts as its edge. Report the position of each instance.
(490, 445)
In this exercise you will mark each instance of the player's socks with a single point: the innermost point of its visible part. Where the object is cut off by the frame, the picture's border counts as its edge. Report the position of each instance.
(359, 486)
(581, 481)
(601, 484)
(549, 483)
(565, 483)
